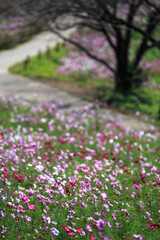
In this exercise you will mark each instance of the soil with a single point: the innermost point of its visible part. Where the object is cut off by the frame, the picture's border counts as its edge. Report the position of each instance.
(86, 93)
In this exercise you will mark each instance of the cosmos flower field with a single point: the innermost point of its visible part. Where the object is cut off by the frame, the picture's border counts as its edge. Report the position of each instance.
(77, 61)
(75, 176)
(15, 30)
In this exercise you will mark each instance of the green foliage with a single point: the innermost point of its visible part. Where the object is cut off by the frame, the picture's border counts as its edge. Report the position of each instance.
(8, 41)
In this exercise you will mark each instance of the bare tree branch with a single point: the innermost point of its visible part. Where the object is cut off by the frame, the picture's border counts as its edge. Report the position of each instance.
(104, 62)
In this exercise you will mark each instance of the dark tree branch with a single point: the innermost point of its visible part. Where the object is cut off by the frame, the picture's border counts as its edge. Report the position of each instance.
(107, 35)
(104, 62)
(152, 23)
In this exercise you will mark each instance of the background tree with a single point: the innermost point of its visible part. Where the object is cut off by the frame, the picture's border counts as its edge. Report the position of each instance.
(29, 10)
(120, 21)
(19, 21)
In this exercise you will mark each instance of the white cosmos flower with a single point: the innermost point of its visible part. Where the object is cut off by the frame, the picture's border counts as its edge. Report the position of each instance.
(43, 120)
(39, 168)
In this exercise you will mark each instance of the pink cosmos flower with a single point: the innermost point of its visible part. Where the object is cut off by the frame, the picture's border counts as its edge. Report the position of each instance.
(100, 224)
(78, 230)
(23, 197)
(125, 170)
(30, 193)
(31, 207)
(154, 226)
(67, 228)
(2, 213)
(106, 207)
(22, 210)
(138, 236)
(6, 169)
(54, 231)
(89, 229)
(39, 196)
(116, 224)
(18, 236)
(19, 177)
(106, 238)
(108, 223)
(13, 215)
(27, 218)
(5, 175)
(92, 237)
(103, 196)
(70, 233)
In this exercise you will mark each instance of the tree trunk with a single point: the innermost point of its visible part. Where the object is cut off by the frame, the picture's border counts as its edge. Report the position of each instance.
(122, 78)
(127, 77)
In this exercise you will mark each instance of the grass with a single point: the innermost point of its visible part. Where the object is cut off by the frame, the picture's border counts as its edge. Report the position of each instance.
(45, 66)
(74, 176)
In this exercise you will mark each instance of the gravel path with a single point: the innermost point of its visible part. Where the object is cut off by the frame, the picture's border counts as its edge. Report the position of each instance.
(33, 91)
